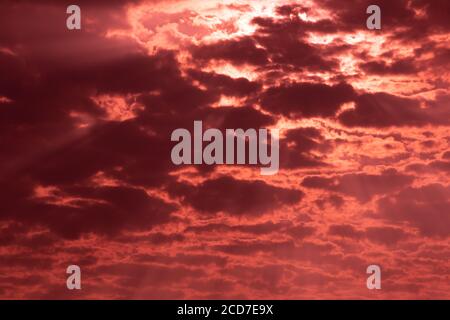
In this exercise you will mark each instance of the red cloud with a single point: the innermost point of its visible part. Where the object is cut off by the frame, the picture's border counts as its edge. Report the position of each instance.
(86, 175)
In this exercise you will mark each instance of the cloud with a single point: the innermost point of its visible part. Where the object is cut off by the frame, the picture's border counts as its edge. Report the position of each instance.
(379, 234)
(237, 51)
(236, 118)
(102, 210)
(302, 147)
(236, 197)
(424, 208)
(85, 124)
(402, 66)
(300, 100)
(361, 186)
(380, 110)
(226, 85)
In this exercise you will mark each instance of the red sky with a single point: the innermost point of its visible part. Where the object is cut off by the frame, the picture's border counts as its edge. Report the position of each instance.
(85, 169)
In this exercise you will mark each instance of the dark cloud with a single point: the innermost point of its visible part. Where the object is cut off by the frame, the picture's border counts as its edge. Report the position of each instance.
(425, 208)
(379, 234)
(335, 200)
(256, 229)
(305, 100)
(237, 51)
(148, 275)
(403, 66)
(437, 14)
(345, 230)
(385, 110)
(254, 247)
(103, 210)
(385, 235)
(197, 260)
(235, 117)
(237, 197)
(296, 231)
(300, 148)
(286, 49)
(361, 186)
(399, 17)
(239, 87)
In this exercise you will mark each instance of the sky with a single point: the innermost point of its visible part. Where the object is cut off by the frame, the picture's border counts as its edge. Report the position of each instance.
(86, 176)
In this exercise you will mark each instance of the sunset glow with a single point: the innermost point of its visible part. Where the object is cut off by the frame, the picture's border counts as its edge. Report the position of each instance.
(86, 118)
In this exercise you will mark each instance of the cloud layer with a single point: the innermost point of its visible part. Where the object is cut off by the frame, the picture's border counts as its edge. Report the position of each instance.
(86, 175)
